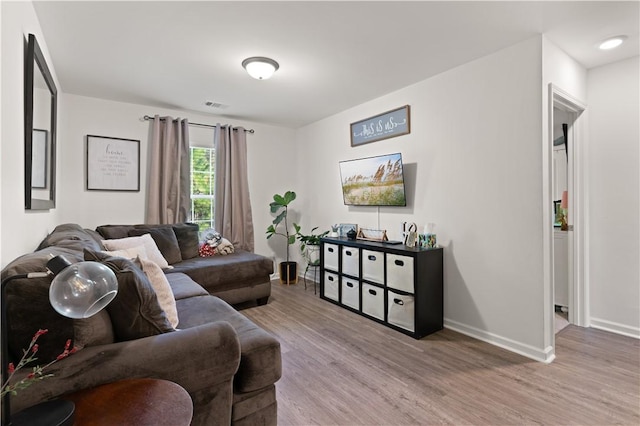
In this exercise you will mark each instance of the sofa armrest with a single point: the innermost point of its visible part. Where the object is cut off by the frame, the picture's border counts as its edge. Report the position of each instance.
(197, 359)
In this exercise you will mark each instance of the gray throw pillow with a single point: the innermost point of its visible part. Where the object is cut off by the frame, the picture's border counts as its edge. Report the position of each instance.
(113, 232)
(135, 311)
(188, 239)
(166, 241)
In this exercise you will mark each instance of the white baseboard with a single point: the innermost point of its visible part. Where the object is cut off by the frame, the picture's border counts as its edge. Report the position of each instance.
(543, 355)
(615, 327)
(309, 279)
(276, 277)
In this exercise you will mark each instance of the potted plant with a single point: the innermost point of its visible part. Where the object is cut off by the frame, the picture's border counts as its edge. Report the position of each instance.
(310, 245)
(280, 206)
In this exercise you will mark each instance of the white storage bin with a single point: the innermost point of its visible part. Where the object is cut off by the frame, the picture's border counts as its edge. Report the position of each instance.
(351, 261)
(373, 301)
(400, 272)
(350, 293)
(400, 311)
(331, 253)
(331, 285)
(373, 266)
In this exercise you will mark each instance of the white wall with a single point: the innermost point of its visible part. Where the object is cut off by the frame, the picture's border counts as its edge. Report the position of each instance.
(269, 152)
(473, 165)
(20, 230)
(614, 224)
(567, 75)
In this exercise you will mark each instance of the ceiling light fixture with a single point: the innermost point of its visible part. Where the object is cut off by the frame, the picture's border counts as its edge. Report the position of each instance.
(612, 42)
(259, 67)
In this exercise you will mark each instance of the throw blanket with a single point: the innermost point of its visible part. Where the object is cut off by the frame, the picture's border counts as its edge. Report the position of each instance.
(214, 244)
(224, 247)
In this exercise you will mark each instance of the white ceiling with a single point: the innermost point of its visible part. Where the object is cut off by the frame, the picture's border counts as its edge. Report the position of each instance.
(332, 55)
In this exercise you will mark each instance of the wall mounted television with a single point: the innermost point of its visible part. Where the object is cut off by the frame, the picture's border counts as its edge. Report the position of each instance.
(373, 181)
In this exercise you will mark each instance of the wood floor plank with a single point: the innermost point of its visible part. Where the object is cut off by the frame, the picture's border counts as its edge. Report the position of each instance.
(340, 368)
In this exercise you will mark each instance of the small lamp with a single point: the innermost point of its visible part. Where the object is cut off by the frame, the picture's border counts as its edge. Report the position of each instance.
(78, 290)
(259, 67)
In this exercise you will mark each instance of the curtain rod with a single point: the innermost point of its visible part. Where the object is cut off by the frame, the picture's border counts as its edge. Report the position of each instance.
(148, 117)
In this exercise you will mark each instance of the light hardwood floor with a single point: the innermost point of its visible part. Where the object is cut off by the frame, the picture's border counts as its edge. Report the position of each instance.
(342, 369)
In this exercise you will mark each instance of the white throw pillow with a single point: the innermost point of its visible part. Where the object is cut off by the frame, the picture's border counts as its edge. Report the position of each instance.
(129, 253)
(159, 282)
(153, 252)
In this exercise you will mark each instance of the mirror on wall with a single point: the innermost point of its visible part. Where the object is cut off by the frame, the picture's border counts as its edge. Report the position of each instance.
(40, 100)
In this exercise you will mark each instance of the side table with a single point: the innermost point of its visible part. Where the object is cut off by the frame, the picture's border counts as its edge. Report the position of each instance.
(138, 402)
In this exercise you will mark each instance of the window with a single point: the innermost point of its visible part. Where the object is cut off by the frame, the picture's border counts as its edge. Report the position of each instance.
(203, 162)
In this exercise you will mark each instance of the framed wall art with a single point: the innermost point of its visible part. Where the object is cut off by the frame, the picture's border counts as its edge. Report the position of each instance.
(382, 126)
(346, 227)
(113, 164)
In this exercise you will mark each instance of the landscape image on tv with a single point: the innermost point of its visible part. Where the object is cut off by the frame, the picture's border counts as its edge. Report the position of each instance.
(373, 181)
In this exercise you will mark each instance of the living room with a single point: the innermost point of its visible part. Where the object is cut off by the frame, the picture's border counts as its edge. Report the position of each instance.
(476, 168)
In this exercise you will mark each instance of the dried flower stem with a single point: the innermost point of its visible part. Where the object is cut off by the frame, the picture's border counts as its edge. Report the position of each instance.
(37, 374)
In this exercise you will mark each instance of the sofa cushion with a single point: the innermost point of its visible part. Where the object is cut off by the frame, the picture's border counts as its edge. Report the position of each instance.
(71, 236)
(260, 362)
(113, 232)
(166, 241)
(135, 311)
(96, 237)
(188, 239)
(158, 280)
(128, 253)
(28, 307)
(257, 407)
(183, 286)
(219, 273)
(93, 331)
(153, 253)
(186, 234)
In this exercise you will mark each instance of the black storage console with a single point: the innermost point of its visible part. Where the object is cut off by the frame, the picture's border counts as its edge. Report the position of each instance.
(396, 285)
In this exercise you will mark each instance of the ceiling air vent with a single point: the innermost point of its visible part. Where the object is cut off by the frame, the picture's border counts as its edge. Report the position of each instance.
(216, 105)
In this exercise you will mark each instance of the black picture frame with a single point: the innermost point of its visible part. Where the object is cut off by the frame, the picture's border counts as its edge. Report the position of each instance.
(112, 164)
(40, 95)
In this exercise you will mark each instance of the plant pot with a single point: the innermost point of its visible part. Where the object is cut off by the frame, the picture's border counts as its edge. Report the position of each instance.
(288, 273)
(312, 254)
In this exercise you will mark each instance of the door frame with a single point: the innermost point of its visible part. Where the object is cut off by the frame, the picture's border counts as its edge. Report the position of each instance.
(577, 218)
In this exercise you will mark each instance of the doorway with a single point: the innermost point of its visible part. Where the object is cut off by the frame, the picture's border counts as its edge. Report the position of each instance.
(568, 197)
(562, 124)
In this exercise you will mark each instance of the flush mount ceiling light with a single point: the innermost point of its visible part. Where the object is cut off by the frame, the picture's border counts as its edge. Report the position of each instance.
(259, 67)
(612, 42)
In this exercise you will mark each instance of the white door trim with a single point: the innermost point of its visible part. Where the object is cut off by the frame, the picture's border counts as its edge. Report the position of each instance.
(578, 277)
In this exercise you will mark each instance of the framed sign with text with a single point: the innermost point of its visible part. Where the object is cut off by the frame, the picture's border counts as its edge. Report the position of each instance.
(382, 126)
(113, 164)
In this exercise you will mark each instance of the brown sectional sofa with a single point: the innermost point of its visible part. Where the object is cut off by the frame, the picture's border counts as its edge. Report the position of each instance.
(228, 364)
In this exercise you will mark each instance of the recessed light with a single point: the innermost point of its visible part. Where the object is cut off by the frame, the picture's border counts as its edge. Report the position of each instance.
(612, 43)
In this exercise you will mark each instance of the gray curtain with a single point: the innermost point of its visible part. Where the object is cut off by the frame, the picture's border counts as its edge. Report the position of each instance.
(232, 204)
(168, 194)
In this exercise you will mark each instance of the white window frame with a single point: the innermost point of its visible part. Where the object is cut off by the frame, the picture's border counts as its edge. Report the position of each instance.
(193, 196)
